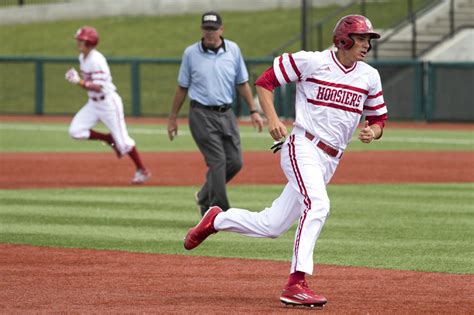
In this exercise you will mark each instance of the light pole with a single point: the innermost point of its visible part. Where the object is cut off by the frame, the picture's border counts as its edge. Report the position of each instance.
(304, 27)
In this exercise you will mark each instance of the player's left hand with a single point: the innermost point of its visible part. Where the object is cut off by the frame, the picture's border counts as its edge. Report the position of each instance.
(72, 76)
(367, 134)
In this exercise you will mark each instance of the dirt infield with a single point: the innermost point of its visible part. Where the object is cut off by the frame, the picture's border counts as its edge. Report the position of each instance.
(49, 280)
(48, 170)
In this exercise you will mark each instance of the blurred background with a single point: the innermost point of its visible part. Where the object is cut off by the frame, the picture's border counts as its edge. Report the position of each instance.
(425, 56)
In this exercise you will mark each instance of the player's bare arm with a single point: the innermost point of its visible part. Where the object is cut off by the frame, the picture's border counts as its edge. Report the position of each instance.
(275, 127)
(73, 77)
(88, 85)
(178, 101)
(246, 93)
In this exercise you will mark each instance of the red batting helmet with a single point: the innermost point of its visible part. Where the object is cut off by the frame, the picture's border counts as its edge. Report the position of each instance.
(348, 25)
(89, 35)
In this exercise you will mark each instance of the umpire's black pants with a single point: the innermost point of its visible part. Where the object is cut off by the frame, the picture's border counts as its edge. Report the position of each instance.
(217, 136)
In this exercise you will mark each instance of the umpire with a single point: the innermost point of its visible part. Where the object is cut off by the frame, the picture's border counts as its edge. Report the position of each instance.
(210, 70)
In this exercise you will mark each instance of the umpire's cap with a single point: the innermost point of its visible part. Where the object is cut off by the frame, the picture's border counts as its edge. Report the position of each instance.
(211, 19)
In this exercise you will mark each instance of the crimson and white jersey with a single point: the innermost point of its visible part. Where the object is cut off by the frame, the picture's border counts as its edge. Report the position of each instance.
(94, 68)
(330, 99)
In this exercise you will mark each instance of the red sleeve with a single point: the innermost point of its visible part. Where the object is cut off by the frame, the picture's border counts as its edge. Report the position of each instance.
(268, 80)
(378, 120)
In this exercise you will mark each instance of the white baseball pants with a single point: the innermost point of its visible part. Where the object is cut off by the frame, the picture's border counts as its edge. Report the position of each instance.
(110, 112)
(308, 170)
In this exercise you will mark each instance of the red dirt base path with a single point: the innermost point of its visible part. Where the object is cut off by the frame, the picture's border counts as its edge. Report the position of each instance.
(87, 281)
(48, 170)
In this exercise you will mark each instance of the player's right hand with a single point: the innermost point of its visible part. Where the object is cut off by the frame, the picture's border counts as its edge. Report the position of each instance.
(277, 130)
(72, 76)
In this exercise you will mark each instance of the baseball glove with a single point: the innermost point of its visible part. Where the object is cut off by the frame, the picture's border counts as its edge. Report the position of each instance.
(72, 76)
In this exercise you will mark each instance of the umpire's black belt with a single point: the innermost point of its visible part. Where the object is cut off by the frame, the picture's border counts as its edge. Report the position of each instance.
(216, 108)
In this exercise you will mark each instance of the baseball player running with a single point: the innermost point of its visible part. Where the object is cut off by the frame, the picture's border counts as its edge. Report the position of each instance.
(334, 89)
(104, 103)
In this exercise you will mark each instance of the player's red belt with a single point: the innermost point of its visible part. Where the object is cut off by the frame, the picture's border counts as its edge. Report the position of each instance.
(323, 146)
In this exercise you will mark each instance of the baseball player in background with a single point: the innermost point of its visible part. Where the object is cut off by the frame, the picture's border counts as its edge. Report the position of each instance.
(104, 103)
(334, 89)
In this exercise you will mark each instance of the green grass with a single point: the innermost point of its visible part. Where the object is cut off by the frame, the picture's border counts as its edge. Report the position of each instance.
(414, 227)
(151, 36)
(53, 137)
(257, 33)
(161, 36)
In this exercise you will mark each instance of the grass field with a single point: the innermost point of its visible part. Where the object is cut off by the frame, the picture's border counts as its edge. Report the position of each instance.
(413, 227)
(53, 137)
(257, 32)
(159, 36)
(426, 227)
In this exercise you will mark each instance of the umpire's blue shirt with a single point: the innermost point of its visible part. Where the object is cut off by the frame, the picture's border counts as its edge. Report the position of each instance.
(211, 77)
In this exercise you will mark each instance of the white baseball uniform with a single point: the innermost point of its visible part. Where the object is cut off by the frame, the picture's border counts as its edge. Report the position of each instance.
(105, 106)
(330, 100)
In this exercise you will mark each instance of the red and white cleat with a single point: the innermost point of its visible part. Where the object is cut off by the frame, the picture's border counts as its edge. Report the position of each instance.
(202, 230)
(141, 176)
(300, 294)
